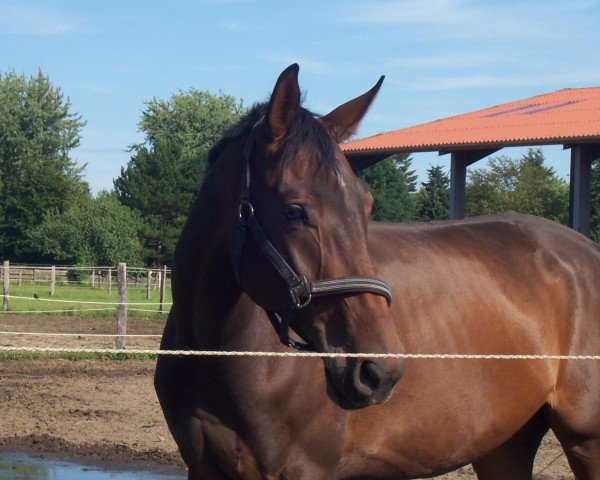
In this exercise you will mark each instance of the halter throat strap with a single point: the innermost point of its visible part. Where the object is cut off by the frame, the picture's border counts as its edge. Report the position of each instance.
(300, 291)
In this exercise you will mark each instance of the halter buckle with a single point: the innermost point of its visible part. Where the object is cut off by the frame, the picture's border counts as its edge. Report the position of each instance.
(300, 294)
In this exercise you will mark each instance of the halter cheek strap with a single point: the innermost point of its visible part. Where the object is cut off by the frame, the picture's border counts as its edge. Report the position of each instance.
(300, 291)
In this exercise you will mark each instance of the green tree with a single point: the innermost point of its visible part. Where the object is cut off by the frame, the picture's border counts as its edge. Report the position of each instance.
(392, 185)
(37, 132)
(91, 231)
(433, 199)
(192, 120)
(525, 185)
(164, 174)
(160, 185)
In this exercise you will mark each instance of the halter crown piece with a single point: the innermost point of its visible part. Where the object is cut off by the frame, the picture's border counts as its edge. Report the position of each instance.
(301, 291)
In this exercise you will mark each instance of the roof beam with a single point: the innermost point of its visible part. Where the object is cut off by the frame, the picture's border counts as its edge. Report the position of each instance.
(580, 186)
(360, 162)
(459, 161)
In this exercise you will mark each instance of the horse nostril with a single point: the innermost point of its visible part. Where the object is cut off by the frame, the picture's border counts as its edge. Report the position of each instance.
(371, 375)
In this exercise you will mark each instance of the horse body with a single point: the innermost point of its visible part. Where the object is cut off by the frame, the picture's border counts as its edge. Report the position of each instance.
(509, 284)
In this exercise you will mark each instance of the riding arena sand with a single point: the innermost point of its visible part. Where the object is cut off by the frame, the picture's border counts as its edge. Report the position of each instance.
(105, 412)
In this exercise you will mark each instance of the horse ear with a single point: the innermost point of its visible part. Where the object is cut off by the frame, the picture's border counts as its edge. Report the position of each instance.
(344, 120)
(284, 103)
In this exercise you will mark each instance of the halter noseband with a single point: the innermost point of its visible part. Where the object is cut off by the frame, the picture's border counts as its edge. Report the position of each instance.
(300, 291)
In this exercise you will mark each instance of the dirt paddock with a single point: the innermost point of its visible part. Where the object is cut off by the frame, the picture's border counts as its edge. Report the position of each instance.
(106, 411)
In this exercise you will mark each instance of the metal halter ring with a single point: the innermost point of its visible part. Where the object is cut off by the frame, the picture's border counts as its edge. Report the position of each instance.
(300, 294)
(246, 211)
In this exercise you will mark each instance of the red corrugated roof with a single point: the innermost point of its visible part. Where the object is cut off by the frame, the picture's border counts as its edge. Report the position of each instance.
(565, 116)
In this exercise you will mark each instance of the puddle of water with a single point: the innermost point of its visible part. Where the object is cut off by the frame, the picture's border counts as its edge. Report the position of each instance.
(21, 466)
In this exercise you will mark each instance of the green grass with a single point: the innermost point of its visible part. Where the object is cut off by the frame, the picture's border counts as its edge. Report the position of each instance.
(5, 356)
(82, 292)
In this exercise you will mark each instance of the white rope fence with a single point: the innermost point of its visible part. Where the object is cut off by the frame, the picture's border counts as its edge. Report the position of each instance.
(291, 353)
(219, 353)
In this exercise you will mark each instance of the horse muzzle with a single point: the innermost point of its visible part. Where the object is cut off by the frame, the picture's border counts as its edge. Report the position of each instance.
(358, 382)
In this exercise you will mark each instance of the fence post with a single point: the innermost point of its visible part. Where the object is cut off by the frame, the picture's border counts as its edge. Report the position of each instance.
(122, 308)
(52, 281)
(109, 281)
(5, 282)
(148, 283)
(93, 278)
(163, 285)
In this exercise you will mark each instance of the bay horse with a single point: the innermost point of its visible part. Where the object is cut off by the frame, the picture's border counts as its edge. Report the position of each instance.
(278, 251)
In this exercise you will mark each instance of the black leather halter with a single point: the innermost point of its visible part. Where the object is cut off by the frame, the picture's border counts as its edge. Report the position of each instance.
(300, 291)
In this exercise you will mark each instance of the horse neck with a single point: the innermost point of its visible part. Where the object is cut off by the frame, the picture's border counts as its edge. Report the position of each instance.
(204, 286)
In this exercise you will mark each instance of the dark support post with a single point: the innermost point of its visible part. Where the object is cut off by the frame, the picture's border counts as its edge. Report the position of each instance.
(580, 192)
(459, 162)
(458, 181)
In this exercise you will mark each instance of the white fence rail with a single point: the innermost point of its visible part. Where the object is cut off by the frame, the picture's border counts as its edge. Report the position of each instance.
(100, 277)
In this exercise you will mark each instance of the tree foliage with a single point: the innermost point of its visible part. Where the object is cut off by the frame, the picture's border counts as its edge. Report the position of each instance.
(160, 185)
(392, 185)
(164, 174)
(433, 199)
(522, 185)
(91, 231)
(37, 132)
(192, 120)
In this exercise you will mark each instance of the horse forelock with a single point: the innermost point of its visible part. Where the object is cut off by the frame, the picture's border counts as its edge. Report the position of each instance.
(306, 137)
(308, 140)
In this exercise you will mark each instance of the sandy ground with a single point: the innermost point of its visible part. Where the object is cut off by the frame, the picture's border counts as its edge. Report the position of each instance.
(106, 410)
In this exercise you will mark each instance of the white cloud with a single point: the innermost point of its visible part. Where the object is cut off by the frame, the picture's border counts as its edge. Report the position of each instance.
(98, 89)
(37, 21)
(461, 81)
(454, 59)
(231, 25)
(422, 12)
(219, 68)
(307, 65)
(463, 44)
(469, 19)
(557, 79)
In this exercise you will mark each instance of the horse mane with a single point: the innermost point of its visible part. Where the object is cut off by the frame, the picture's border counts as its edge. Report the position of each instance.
(305, 131)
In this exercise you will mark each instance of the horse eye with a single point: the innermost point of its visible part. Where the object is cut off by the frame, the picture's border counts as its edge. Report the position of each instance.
(294, 212)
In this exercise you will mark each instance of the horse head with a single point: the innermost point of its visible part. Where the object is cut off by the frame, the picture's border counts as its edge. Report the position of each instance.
(308, 214)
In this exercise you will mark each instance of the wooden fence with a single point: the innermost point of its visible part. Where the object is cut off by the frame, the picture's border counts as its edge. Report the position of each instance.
(97, 277)
(152, 278)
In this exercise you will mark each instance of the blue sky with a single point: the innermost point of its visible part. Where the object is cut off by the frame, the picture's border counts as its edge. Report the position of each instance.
(440, 58)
